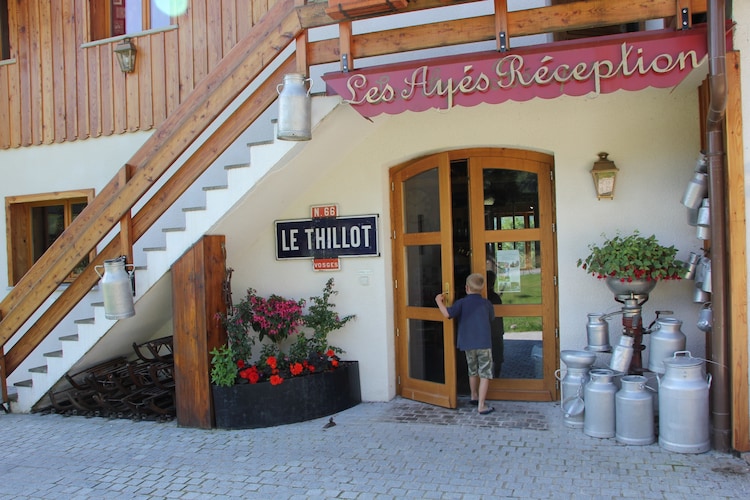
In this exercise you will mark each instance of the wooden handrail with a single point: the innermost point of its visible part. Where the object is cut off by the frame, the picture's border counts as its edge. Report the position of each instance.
(278, 27)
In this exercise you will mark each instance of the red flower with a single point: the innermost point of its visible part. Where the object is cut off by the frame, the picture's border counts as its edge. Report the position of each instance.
(276, 380)
(335, 363)
(251, 374)
(240, 364)
(296, 369)
(271, 362)
(330, 353)
(311, 368)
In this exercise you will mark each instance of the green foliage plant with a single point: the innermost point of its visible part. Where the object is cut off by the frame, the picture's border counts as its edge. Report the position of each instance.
(223, 366)
(632, 257)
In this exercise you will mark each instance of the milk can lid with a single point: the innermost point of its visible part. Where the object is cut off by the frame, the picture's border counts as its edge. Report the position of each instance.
(682, 361)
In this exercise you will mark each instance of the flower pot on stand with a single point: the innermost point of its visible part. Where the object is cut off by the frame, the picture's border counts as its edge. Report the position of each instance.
(620, 286)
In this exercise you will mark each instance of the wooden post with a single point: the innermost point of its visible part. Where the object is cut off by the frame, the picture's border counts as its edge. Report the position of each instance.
(197, 297)
(501, 25)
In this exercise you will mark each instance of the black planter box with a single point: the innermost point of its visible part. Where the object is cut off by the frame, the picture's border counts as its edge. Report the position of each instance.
(253, 406)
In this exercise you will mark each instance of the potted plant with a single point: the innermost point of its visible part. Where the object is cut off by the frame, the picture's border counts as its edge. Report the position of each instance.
(295, 377)
(631, 263)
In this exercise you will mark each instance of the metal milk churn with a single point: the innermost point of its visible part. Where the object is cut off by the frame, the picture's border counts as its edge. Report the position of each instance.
(295, 120)
(599, 395)
(683, 405)
(666, 339)
(597, 333)
(576, 376)
(634, 412)
(622, 355)
(117, 289)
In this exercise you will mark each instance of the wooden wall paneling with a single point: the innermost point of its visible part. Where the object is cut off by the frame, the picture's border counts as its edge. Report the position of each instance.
(35, 74)
(47, 63)
(4, 110)
(199, 43)
(214, 37)
(737, 227)
(58, 71)
(107, 66)
(197, 279)
(132, 96)
(171, 71)
(145, 83)
(12, 82)
(244, 18)
(185, 55)
(228, 25)
(94, 91)
(22, 60)
(81, 36)
(158, 78)
(260, 7)
(70, 78)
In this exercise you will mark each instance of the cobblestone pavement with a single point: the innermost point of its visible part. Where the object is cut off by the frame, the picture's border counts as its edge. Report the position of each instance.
(400, 449)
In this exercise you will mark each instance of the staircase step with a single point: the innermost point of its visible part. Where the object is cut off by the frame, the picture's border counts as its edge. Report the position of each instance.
(155, 249)
(85, 321)
(214, 188)
(53, 354)
(236, 165)
(261, 143)
(39, 369)
(172, 229)
(69, 338)
(24, 383)
(194, 209)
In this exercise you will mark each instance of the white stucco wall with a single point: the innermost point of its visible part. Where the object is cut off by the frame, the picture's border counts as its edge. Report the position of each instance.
(83, 164)
(652, 136)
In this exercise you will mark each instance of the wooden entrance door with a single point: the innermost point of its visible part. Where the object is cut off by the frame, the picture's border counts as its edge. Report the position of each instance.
(480, 210)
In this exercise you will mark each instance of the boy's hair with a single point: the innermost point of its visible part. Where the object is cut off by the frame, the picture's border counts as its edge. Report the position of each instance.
(475, 282)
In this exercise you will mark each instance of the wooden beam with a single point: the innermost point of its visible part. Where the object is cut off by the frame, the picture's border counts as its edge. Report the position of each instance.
(345, 46)
(590, 14)
(502, 37)
(313, 15)
(737, 252)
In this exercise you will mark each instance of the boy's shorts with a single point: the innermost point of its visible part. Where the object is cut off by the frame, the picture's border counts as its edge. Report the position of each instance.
(480, 363)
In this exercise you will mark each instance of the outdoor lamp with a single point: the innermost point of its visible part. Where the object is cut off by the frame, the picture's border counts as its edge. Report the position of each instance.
(125, 52)
(604, 174)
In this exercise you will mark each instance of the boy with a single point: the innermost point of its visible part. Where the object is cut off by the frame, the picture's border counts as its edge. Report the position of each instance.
(475, 315)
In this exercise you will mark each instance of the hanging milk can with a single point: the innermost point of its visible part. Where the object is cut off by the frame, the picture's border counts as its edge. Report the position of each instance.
(666, 339)
(117, 288)
(295, 120)
(622, 355)
(597, 333)
(634, 412)
(599, 397)
(683, 405)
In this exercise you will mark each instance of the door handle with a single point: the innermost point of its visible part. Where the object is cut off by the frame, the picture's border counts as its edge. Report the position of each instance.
(447, 293)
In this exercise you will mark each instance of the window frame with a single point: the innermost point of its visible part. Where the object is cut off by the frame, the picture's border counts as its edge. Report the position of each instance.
(100, 20)
(4, 31)
(19, 231)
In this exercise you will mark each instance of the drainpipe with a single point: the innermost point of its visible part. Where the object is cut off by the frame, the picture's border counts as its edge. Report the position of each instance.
(720, 402)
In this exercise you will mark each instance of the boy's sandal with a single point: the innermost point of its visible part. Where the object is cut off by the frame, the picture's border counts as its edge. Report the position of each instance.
(487, 411)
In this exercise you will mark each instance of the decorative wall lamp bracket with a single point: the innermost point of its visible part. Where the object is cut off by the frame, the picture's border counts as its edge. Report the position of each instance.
(604, 174)
(125, 52)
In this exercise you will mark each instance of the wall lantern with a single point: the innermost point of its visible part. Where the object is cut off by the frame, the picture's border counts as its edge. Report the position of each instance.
(604, 174)
(125, 52)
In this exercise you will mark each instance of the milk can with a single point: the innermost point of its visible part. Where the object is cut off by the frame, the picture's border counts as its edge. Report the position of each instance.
(634, 412)
(576, 376)
(597, 333)
(599, 395)
(666, 339)
(683, 405)
(117, 289)
(295, 121)
(622, 355)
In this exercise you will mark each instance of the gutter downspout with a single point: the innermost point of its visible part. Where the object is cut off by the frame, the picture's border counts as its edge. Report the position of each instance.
(720, 390)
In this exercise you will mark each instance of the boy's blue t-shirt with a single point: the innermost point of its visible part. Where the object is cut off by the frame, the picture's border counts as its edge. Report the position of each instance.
(475, 315)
